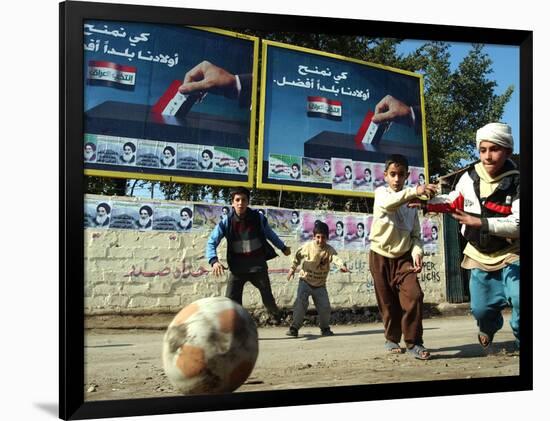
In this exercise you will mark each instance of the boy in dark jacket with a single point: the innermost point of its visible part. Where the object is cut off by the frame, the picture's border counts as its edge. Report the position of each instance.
(246, 231)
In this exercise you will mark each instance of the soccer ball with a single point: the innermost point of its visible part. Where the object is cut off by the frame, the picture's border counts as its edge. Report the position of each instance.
(211, 346)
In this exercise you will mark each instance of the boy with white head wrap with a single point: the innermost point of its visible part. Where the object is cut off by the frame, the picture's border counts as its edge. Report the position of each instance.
(486, 202)
(497, 133)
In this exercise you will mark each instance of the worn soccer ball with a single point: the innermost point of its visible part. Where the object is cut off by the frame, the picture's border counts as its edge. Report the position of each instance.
(211, 346)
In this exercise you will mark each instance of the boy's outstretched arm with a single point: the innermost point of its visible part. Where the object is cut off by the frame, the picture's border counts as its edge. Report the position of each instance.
(290, 275)
(211, 245)
(273, 237)
(449, 202)
(295, 263)
(340, 263)
(389, 200)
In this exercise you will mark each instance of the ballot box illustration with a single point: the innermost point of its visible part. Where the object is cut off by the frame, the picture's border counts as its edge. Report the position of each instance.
(137, 121)
(343, 145)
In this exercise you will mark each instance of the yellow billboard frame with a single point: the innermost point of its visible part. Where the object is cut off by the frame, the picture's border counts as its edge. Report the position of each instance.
(304, 189)
(252, 132)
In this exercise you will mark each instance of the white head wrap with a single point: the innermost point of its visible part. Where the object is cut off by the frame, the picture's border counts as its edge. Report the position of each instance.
(497, 133)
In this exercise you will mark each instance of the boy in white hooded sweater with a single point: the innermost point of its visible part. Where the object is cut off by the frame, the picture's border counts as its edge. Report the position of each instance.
(489, 192)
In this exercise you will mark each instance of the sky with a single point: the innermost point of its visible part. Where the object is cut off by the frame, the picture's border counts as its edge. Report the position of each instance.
(505, 72)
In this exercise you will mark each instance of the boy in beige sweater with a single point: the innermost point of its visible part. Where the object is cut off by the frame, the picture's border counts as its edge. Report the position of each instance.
(315, 256)
(395, 258)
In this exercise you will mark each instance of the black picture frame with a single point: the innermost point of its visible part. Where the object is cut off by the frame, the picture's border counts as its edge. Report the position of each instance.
(71, 292)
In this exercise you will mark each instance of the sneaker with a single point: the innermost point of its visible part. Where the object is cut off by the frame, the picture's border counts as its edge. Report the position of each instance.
(327, 332)
(292, 331)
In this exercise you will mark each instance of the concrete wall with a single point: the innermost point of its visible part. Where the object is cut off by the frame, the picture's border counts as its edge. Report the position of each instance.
(134, 272)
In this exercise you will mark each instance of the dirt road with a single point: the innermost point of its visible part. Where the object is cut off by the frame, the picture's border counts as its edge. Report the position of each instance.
(123, 364)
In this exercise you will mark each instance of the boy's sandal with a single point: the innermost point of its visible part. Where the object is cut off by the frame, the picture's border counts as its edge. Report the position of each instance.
(484, 340)
(419, 352)
(392, 347)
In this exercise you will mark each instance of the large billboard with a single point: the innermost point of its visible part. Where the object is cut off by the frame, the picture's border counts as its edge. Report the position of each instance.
(317, 133)
(139, 123)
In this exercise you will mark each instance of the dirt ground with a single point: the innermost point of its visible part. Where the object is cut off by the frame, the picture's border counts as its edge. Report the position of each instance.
(126, 363)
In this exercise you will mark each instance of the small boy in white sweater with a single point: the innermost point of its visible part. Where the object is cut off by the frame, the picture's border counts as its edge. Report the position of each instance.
(395, 258)
(315, 256)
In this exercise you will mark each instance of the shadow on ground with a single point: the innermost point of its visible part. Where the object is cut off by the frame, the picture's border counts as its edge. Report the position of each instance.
(474, 350)
(311, 337)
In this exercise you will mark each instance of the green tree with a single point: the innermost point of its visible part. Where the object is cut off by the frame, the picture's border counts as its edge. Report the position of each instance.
(105, 185)
(457, 104)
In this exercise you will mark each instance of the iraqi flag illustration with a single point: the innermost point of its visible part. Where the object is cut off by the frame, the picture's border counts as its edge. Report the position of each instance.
(318, 106)
(370, 132)
(107, 73)
(173, 103)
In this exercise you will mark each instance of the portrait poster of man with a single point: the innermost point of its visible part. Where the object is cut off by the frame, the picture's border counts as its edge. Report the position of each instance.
(166, 217)
(283, 221)
(209, 215)
(97, 214)
(362, 176)
(355, 232)
(336, 230)
(316, 170)
(430, 235)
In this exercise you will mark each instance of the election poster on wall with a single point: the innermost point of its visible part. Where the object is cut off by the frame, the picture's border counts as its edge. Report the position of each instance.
(169, 103)
(347, 230)
(317, 132)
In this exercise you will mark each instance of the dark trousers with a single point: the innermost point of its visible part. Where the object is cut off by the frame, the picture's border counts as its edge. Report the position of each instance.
(260, 280)
(399, 297)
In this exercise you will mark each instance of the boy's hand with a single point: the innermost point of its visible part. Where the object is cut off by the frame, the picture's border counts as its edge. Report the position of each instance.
(217, 269)
(290, 274)
(286, 251)
(465, 219)
(428, 190)
(344, 269)
(417, 267)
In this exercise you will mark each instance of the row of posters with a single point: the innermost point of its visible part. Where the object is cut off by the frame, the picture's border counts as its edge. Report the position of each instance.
(130, 152)
(341, 174)
(346, 231)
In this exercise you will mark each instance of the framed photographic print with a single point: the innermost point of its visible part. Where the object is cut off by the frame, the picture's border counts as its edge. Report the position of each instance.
(172, 118)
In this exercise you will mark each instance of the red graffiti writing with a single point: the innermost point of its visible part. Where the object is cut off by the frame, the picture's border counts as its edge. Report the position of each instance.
(283, 271)
(177, 273)
(183, 272)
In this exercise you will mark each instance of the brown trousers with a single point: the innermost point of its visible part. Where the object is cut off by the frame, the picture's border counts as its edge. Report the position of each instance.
(399, 297)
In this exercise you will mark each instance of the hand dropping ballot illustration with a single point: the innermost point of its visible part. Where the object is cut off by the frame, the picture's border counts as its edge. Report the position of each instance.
(151, 87)
(324, 108)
